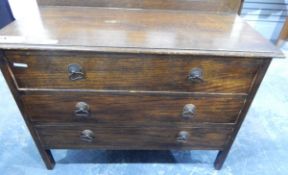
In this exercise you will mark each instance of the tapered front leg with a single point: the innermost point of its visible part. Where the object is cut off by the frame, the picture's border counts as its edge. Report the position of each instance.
(220, 159)
(47, 158)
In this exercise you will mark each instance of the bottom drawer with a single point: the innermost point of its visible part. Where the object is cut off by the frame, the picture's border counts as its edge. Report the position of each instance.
(133, 138)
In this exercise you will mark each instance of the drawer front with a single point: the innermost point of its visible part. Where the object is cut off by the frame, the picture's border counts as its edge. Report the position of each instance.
(69, 70)
(133, 138)
(131, 109)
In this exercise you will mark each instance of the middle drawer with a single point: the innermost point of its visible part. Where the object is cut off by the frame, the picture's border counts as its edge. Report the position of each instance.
(132, 109)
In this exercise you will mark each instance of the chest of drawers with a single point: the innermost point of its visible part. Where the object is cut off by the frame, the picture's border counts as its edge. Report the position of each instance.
(133, 79)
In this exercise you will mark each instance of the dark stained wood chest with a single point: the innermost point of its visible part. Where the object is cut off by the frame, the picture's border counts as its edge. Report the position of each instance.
(150, 76)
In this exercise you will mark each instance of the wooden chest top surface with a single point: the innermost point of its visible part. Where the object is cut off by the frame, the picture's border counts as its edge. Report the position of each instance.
(136, 31)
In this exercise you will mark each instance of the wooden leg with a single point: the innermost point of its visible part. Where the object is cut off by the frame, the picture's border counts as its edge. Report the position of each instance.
(45, 154)
(47, 158)
(220, 159)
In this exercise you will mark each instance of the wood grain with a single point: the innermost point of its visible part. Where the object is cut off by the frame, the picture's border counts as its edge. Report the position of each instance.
(131, 110)
(137, 31)
(155, 138)
(220, 6)
(133, 72)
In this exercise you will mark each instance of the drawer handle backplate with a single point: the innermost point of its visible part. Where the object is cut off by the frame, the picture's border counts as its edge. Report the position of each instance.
(196, 75)
(75, 72)
(182, 137)
(82, 109)
(189, 111)
(87, 135)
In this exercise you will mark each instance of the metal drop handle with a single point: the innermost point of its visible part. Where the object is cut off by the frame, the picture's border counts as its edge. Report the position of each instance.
(82, 109)
(182, 137)
(196, 75)
(75, 72)
(189, 111)
(87, 135)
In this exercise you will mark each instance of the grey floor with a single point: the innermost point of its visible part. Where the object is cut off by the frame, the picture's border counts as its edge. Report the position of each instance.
(260, 148)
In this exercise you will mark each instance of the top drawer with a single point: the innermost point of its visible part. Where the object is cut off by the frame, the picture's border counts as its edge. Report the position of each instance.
(78, 70)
